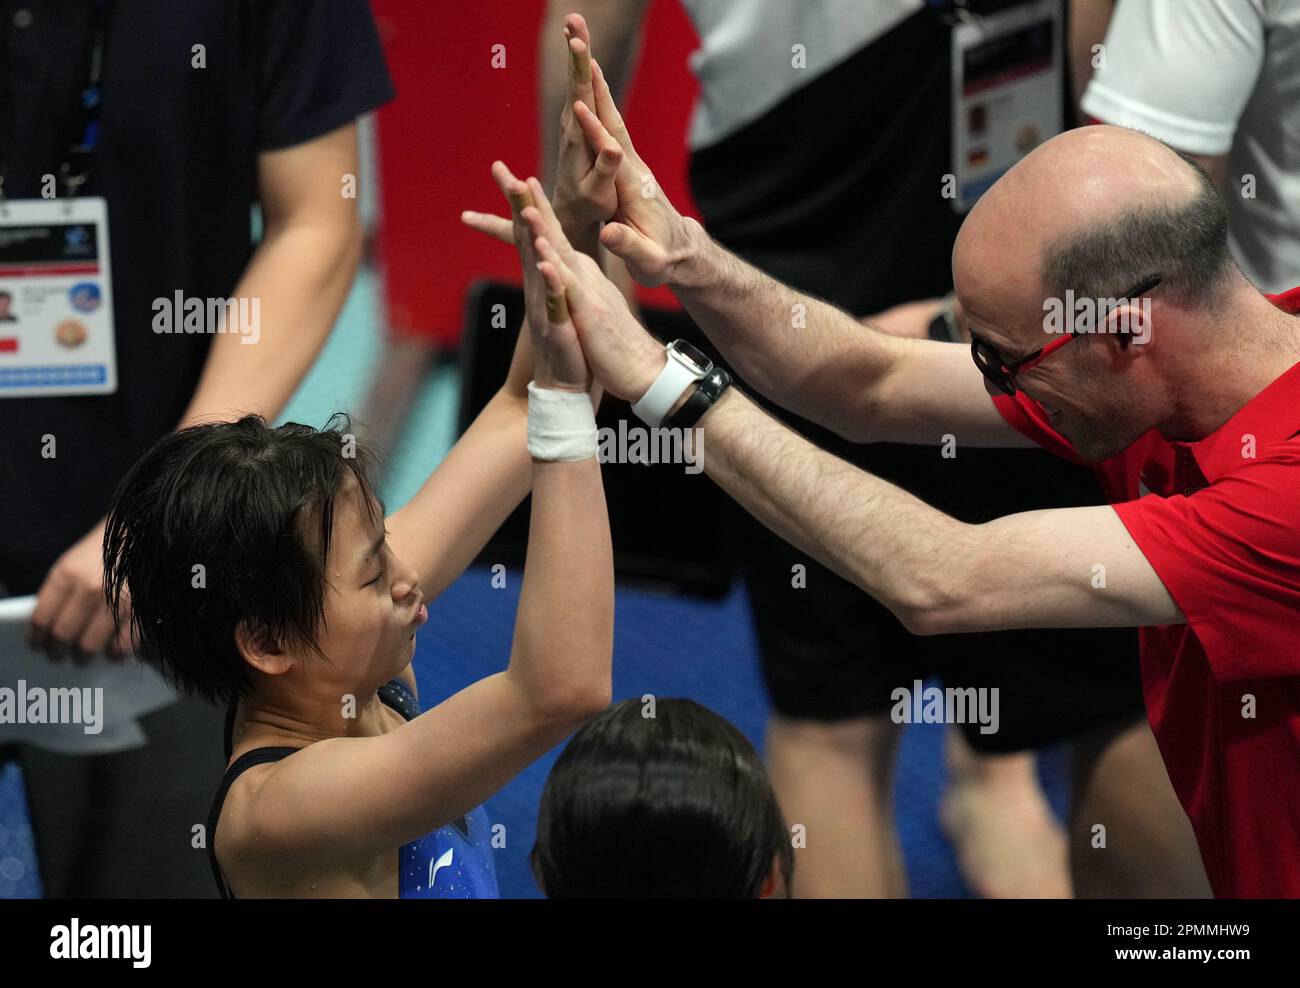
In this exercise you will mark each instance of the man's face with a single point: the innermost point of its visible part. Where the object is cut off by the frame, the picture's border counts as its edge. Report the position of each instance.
(1091, 393)
(5, 302)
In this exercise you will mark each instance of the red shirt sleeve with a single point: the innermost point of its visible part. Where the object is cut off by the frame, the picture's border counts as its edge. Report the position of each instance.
(1229, 557)
(1025, 416)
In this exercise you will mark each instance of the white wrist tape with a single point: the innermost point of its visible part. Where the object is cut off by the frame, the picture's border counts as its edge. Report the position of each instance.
(561, 424)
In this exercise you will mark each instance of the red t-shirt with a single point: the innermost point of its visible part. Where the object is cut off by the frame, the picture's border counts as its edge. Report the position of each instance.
(1221, 527)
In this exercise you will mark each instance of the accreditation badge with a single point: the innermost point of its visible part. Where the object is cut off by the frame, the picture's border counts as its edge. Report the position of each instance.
(56, 298)
(1007, 91)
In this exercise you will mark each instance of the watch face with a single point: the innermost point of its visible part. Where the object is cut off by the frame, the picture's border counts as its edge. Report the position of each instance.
(692, 357)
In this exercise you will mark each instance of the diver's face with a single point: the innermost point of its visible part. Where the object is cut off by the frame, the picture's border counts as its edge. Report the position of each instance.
(373, 603)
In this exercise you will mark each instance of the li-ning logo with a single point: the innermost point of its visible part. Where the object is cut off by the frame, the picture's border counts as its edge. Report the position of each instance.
(77, 942)
(237, 316)
(437, 866)
(1094, 315)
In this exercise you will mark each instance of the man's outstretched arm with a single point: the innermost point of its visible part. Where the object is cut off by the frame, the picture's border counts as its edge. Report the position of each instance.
(1038, 569)
(822, 364)
(1032, 570)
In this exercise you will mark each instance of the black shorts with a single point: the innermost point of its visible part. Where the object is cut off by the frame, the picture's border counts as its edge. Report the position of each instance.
(830, 652)
(848, 213)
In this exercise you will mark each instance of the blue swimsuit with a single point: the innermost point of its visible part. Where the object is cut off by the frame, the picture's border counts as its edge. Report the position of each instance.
(453, 862)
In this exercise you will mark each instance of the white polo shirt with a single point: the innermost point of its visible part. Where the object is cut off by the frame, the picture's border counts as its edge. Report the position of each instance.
(745, 62)
(1213, 77)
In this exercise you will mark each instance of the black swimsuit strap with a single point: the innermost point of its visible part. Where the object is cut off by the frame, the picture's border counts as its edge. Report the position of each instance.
(258, 756)
(395, 694)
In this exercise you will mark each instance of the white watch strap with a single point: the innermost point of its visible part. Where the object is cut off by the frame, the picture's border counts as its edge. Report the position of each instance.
(672, 381)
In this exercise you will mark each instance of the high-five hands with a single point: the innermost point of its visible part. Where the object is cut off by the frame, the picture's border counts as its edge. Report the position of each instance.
(589, 158)
(601, 178)
(558, 360)
(624, 356)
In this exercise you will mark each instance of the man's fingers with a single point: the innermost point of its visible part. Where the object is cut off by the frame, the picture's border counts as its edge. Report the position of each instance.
(645, 259)
(575, 26)
(607, 111)
(494, 226)
(622, 241)
(609, 154)
(608, 161)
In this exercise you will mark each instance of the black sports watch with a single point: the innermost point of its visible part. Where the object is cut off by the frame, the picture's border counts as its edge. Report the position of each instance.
(701, 400)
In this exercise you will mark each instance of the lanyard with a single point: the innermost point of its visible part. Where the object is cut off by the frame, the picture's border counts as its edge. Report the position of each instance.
(76, 165)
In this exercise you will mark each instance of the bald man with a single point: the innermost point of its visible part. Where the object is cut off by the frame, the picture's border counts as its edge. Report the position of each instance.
(1190, 415)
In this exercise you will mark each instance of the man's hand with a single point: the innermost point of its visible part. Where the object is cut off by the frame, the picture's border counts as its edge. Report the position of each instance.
(647, 232)
(588, 158)
(71, 617)
(624, 356)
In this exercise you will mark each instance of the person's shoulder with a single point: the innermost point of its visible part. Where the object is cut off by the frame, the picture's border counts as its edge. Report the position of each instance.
(1284, 453)
(237, 836)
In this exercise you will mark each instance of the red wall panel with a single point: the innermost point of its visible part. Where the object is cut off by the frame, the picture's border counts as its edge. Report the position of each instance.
(455, 113)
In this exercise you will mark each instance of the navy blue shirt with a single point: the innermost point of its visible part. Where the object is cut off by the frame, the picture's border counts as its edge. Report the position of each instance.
(177, 163)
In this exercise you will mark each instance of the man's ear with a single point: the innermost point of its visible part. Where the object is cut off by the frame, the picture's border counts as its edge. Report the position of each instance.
(260, 649)
(1129, 322)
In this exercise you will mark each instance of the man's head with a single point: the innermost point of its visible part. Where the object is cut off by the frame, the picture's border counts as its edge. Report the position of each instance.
(1086, 218)
(254, 555)
(6, 301)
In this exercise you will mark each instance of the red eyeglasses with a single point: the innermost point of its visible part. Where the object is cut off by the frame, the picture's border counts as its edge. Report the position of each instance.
(1002, 375)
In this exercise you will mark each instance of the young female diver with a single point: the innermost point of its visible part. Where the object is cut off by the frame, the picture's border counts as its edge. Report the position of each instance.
(306, 614)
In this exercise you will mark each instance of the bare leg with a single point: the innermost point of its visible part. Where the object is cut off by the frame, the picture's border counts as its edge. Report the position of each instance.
(1008, 843)
(1120, 783)
(836, 780)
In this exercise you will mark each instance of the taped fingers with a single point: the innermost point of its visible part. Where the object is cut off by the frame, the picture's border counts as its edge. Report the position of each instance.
(557, 305)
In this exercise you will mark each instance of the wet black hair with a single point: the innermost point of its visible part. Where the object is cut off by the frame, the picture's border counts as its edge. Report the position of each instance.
(674, 805)
(254, 506)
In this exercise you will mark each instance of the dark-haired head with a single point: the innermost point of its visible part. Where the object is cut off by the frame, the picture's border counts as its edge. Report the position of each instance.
(662, 800)
(245, 549)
